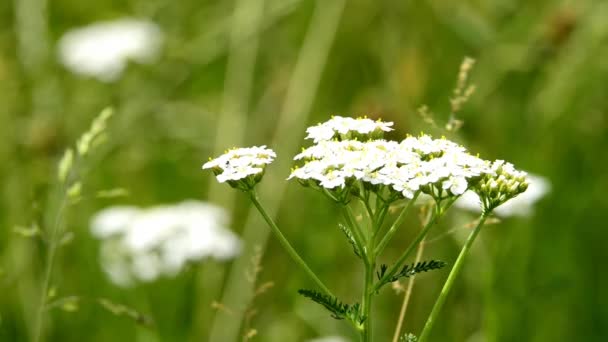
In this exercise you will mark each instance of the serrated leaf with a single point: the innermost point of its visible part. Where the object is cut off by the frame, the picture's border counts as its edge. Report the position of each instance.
(337, 309)
(409, 270)
(351, 239)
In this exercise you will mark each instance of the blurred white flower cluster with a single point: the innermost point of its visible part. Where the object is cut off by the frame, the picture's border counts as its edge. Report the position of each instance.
(437, 167)
(242, 168)
(140, 245)
(102, 50)
(329, 339)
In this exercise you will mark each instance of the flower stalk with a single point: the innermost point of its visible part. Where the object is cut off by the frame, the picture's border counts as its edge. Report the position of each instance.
(393, 229)
(449, 283)
(351, 160)
(285, 243)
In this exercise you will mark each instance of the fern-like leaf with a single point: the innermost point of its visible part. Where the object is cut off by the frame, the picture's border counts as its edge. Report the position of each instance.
(410, 270)
(337, 309)
(351, 239)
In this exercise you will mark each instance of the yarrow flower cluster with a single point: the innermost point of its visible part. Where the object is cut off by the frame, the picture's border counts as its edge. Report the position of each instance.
(351, 159)
(342, 128)
(438, 167)
(242, 168)
(499, 185)
(143, 244)
(350, 155)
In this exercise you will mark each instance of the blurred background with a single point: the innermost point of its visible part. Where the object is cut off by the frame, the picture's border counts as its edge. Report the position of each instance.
(198, 77)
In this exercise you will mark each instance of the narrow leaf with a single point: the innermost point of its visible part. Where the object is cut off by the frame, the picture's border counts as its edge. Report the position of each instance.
(351, 239)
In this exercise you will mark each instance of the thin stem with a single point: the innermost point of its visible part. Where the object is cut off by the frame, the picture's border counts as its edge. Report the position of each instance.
(391, 231)
(382, 214)
(365, 201)
(367, 297)
(50, 260)
(397, 265)
(450, 281)
(292, 252)
(408, 294)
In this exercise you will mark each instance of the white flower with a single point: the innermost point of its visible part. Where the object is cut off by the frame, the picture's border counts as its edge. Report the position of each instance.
(112, 222)
(425, 145)
(522, 205)
(340, 127)
(457, 185)
(241, 163)
(103, 49)
(143, 244)
(406, 167)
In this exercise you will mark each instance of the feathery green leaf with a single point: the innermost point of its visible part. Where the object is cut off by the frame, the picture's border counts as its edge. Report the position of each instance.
(409, 270)
(338, 309)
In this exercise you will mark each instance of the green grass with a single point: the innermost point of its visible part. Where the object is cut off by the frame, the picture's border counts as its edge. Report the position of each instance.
(541, 76)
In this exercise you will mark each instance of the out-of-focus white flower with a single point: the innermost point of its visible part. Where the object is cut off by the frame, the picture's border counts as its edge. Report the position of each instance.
(143, 244)
(522, 205)
(345, 128)
(329, 339)
(241, 167)
(102, 50)
(111, 222)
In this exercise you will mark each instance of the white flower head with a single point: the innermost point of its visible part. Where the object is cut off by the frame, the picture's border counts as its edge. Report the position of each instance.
(349, 157)
(242, 168)
(144, 244)
(102, 50)
(438, 167)
(346, 128)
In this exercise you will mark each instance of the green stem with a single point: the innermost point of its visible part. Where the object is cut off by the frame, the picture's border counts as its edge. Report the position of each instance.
(366, 333)
(50, 260)
(450, 281)
(368, 209)
(397, 265)
(292, 252)
(391, 231)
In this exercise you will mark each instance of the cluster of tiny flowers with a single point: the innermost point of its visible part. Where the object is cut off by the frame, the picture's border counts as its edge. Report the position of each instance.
(345, 128)
(438, 167)
(350, 155)
(500, 184)
(143, 244)
(242, 168)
